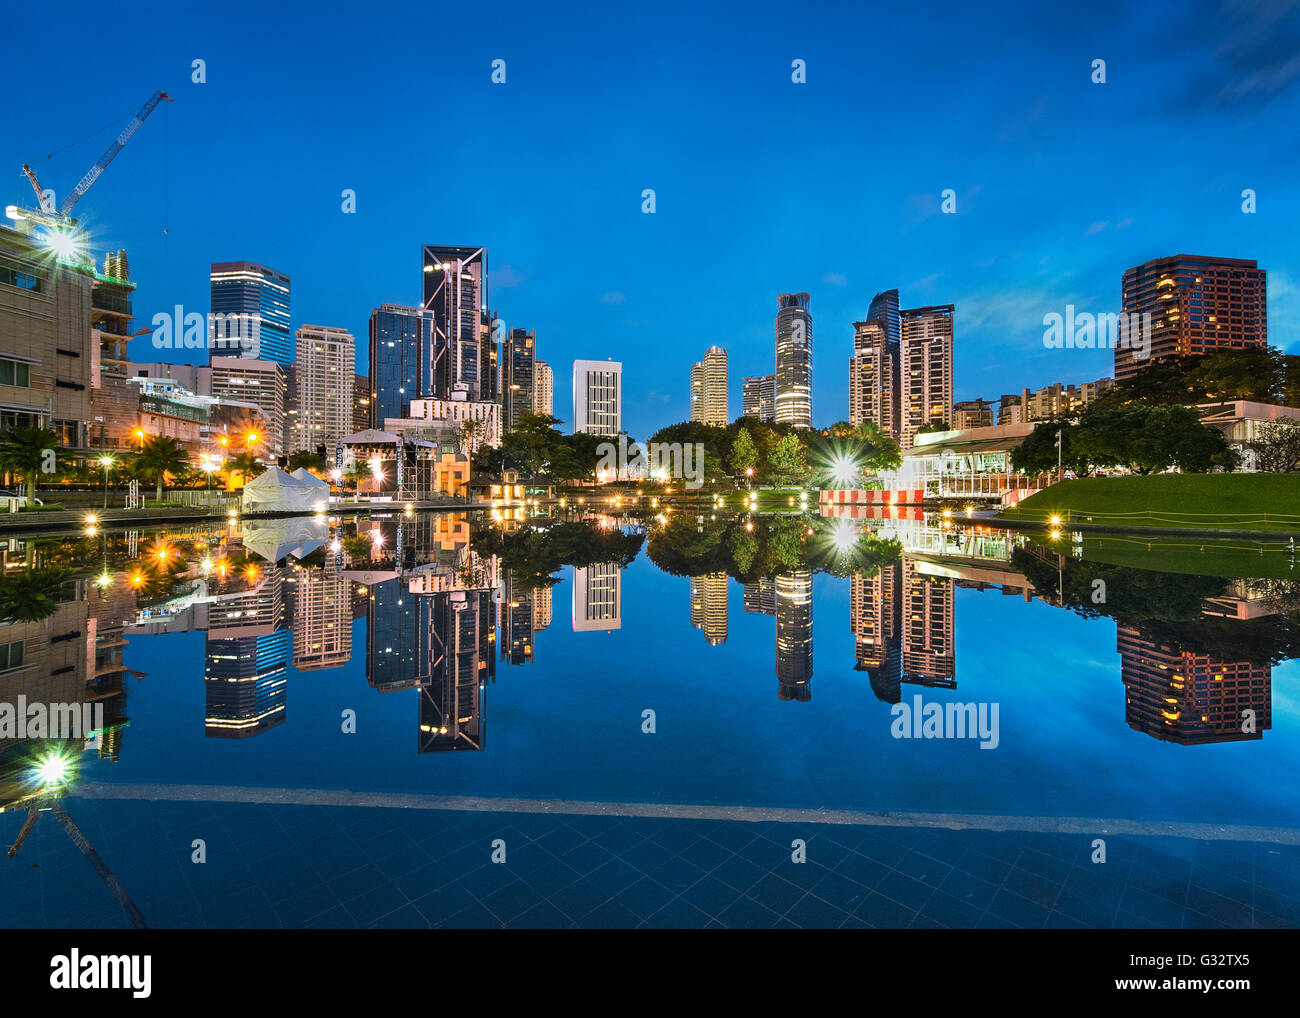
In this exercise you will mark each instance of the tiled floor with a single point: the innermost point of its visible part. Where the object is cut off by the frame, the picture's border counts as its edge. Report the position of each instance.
(313, 866)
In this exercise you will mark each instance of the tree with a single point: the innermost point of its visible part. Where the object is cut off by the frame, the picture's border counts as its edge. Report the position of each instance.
(1277, 446)
(246, 465)
(744, 453)
(305, 459)
(874, 449)
(27, 453)
(354, 475)
(159, 456)
(787, 461)
(32, 595)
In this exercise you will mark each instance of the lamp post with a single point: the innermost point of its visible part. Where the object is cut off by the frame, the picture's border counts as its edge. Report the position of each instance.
(106, 462)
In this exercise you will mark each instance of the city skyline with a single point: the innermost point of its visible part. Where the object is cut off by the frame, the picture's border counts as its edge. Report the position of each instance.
(1037, 226)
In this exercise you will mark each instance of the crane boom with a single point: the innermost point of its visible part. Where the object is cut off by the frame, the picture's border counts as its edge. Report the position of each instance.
(93, 173)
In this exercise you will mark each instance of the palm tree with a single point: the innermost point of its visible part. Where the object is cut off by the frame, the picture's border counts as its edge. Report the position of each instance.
(246, 465)
(357, 473)
(160, 456)
(32, 595)
(26, 453)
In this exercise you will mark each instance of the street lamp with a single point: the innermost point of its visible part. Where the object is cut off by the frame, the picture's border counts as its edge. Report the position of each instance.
(106, 462)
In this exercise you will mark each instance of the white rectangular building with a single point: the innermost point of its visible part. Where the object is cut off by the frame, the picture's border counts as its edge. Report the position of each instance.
(597, 397)
(324, 372)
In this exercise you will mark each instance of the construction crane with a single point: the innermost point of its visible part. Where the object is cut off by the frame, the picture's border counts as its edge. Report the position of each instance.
(51, 804)
(47, 214)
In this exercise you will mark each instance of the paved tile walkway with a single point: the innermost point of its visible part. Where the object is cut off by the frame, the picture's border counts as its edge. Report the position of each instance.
(332, 866)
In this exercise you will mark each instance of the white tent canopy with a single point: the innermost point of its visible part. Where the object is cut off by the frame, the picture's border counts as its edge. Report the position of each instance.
(274, 539)
(276, 491)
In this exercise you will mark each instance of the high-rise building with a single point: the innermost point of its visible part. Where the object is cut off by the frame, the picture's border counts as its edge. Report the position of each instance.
(876, 624)
(264, 384)
(709, 606)
(360, 403)
(873, 379)
(597, 397)
(322, 619)
(323, 381)
(794, 643)
(544, 393)
(925, 370)
(490, 356)
(1197, 304)
(597, 597)
(246, 657)
(46, 342)
(1179, 695)
(928, 609)
(759, 397)
(452, 701)
(259, 297)
(709, 388)
(794, 360)
(456, 293)
(519, 387)
(518, 619)
(401, 341)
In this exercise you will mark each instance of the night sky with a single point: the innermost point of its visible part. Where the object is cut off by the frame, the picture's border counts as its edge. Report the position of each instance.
(763, 186)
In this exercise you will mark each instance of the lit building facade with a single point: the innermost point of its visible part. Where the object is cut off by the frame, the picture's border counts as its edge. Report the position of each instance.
(401, 344)
(251, 295)
(925, 370)
(1197, 305)
(597, 397)
(794, 360)
(456, 294)
(323, 381)
(709, 404)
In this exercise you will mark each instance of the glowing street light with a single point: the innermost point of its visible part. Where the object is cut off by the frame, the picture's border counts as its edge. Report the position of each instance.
(844, 469)
(107, 463)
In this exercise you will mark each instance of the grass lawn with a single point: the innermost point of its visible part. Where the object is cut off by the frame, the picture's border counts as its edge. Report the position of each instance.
(1227, 558)
(1213, 501)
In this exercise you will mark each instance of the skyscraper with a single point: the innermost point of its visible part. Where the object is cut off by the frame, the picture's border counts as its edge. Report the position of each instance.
(261, 383)
(246, 658)
(925, 370)
(794, 360)
(929, 628)
(544, 392)
(597, 597)
(875, 365)
(260, 297)
(1180, 695)
(519, 388)
(401, 341)
(794, 644)
(709, 388)
(759, 397)
(709, 606)
(597, 397)
(1197, 304)
(873, 379)
(323, 375)
(455, 291)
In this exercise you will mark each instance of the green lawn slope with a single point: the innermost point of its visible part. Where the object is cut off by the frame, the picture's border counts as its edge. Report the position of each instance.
(1197, 501)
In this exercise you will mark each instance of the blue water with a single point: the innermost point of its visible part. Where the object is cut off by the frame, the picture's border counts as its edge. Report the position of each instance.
(568, 725)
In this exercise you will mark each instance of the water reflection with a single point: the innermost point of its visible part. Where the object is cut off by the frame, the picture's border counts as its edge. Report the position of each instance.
(447, 598)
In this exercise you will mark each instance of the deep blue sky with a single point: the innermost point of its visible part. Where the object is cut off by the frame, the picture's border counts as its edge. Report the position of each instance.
(763, 186)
